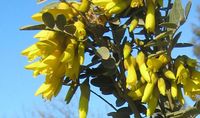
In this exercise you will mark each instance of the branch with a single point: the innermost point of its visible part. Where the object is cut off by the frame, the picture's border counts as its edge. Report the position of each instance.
(103, 100)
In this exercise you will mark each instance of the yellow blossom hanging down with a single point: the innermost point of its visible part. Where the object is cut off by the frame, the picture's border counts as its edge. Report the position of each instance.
(150, 17)
(130, 64)
(58, 55)
(112, 6)
(136, 3)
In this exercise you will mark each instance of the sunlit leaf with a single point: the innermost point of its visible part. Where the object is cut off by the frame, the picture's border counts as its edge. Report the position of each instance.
(163, 35)
(187, 8)
(169, 25)
(103, 52)
(176, 14)
(157, 54)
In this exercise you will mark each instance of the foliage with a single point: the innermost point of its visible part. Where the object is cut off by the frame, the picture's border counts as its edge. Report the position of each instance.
(130, 42)
(196, 31)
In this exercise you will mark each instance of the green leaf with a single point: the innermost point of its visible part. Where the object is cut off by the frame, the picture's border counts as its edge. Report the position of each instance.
(34, 27)
(156, 43)
(163, 35)
(118, 34)
(181, 45)
(48, 20)
(157, 54)
(102, 81)
(123, 112)
(117, 31)
(97, 29)
(119, 102)
(109, 63)
(160, 2)
(176, 14)
(103, 52)
(61, 22)
(107, 90)
(70, 93)
(187, 8)
(169, 25)
(71, 29)
(175, 39)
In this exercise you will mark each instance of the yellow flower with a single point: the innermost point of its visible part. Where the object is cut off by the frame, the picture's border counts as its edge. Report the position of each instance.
(131, 79)
(53, 84)
(112, 6)
(154, 64)
(127, 50)
(150, 17)
(136, 3)
(80, 30)
(58, 56)
(133, 24)
(191, 89)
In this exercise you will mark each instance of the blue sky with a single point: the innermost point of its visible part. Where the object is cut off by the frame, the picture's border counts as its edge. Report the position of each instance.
(17, 86)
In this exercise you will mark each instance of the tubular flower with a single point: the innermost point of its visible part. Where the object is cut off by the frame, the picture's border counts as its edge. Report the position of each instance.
(140, 59)
(154, 64)
(53, 84)
(80, 30)
(112, 6)
(192, 85)
(133, 24)
(84, 6)
(131, 79)
(150, 17)
(187, 76)
(136, 3)
(127, 50)
(59, 55)
(152, 103)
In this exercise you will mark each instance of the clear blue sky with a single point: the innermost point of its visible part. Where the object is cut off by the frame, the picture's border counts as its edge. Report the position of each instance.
(17, 86)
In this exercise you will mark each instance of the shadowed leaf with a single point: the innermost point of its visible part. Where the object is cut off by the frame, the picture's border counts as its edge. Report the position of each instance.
(48, 20)
(34, 27)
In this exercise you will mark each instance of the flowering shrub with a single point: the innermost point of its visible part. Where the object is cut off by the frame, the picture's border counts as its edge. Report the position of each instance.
(130, 43)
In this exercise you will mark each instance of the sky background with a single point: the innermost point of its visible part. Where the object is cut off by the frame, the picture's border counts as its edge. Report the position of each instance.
(17, 86)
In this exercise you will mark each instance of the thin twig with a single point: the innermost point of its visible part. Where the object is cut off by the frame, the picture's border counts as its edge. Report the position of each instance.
(103, 99)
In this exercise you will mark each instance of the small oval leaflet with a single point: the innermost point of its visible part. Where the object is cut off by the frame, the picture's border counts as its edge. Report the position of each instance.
(61, 22)
(48, 19)
(103, 52)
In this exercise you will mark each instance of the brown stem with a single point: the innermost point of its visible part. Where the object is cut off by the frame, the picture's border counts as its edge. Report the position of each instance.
(171, 105)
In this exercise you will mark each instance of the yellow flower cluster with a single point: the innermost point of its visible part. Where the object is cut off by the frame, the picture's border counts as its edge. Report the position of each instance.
(56, 54)
(117, 6)
(188, 76)
(147, 77)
